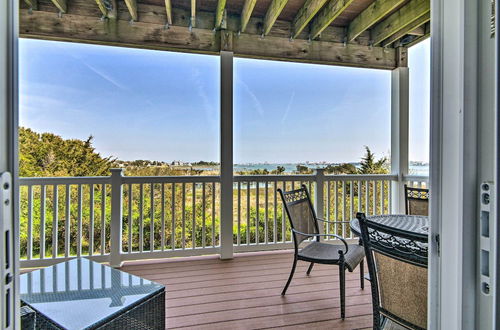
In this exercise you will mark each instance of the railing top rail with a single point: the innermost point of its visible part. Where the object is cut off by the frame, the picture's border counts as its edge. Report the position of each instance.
(169, 179)
(421, 178)
(211, 178)
(293, 177)
(65, 180)
(360, 177)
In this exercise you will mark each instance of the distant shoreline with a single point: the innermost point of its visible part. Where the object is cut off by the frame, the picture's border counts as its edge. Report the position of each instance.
(416, 167)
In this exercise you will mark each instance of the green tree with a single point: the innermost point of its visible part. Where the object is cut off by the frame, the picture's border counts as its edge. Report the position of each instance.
(369, 165)
(345, 168)
(47, 154)
(302, 169)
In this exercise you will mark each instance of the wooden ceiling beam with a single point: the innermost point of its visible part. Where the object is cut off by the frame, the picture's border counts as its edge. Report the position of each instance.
(371, 15)
(332, 10)
(407, 15)
(193, 13)
(272, 14)
(168, 8)
(219, 14)
(305, 15)
(418, 22)
(84, 28)
(132, 8)
(246, 13)
(102, 7)
(33, 4)
(62, 5)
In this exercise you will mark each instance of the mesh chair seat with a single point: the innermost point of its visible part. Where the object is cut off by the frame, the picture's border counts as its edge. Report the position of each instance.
(329, 254)
(300, 211)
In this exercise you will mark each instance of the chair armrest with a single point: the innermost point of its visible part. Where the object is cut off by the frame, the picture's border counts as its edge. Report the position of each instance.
(325, 235)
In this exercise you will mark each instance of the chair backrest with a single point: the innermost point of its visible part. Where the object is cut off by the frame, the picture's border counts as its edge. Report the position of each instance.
(300, 212)
(397, 262)
(416, 201)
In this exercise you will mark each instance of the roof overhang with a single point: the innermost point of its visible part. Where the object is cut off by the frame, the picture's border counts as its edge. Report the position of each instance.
(359, 33)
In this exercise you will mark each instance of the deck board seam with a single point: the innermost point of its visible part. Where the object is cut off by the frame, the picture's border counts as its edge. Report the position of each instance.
(271, 305)
(249, 318)
(246, 290)
(304, 323)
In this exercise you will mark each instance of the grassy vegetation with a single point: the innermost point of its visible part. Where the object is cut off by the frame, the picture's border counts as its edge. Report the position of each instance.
(163, 214)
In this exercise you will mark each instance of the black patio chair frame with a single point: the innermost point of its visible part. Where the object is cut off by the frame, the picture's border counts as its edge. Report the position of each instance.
(300, 195)
(414, 194)
(395, 243)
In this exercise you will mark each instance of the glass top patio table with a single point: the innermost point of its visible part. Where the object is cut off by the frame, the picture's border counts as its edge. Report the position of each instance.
(412, 223)
(82, 294)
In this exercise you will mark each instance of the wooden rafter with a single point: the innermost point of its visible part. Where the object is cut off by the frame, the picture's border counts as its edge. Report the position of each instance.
(419, 31)
(418, 40)
(371, 15)
(272, 14)
(219, 14)
(399, 20)
(331, 11)
(427, 34)
(246, 13)
(193, 13)
(132, 8)
(33, 4)
(306, 14)
(417, 23)
(102, 7)
(61, 5)
(168, 8)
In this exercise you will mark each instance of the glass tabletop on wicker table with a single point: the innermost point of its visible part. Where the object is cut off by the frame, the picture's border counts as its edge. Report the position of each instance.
(82, 294)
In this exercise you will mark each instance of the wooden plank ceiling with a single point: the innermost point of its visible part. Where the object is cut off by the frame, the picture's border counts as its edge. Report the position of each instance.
(361, 33)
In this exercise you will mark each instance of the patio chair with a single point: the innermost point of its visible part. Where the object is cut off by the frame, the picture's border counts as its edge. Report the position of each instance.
(397, 263)
(416, 201)
(304, 223)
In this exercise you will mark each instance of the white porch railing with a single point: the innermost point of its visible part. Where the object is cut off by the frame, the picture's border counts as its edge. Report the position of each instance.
(158, 217)
(417, 181)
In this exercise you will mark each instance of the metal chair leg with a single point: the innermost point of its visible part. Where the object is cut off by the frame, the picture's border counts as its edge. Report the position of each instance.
(310, 268)
(290, 277)
(342, 289)
(362, 274)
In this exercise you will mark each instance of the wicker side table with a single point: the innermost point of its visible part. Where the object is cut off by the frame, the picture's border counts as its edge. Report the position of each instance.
(82, 294)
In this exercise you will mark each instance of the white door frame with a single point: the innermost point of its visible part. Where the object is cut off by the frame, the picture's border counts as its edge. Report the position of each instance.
(460, 158)
(9, 164)
(447, 167)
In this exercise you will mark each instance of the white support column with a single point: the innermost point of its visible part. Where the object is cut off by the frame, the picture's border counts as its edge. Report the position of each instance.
(116, 218)
(226, 155)
(399, 135)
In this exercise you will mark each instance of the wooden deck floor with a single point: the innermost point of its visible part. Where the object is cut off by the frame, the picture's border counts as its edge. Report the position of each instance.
(244, 293)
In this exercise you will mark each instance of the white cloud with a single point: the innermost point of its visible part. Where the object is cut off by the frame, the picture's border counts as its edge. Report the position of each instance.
(256, 103)
(288, 107)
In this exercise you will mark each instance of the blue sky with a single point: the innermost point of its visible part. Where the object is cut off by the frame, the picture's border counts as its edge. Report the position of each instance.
(143, 104)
